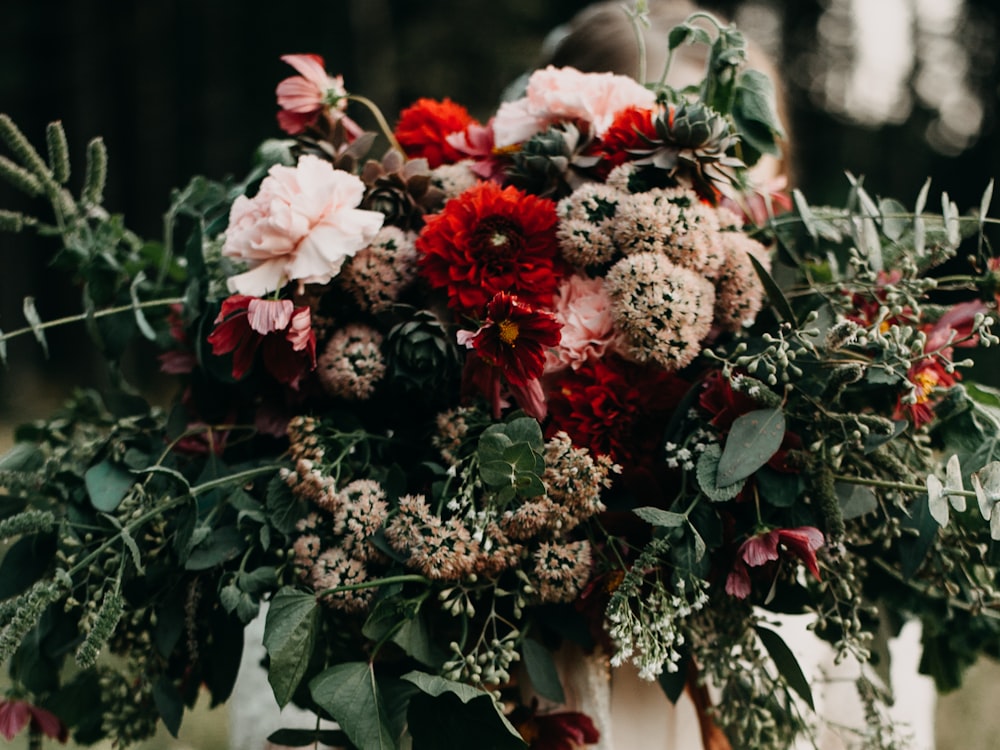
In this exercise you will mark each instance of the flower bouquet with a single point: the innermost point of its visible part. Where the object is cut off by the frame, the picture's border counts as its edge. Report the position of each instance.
(452, 403)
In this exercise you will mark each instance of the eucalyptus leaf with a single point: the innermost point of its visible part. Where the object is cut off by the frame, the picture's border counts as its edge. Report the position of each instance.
(542, 670)
(350, 694)
(289, 637)
(307, 738)
(786, 663)
(855, 500)
(753, 439)
(169, 704)
(707, 473)
(659, 517)
(35, 322)
(774, 294)
(107, 484)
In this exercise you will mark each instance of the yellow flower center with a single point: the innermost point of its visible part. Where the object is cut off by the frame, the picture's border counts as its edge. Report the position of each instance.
(508, 332)
(926, 382)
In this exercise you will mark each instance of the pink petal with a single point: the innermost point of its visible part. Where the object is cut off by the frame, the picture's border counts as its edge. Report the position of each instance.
(311, 67)
(758, 550)
(13, 716)
(269, 315)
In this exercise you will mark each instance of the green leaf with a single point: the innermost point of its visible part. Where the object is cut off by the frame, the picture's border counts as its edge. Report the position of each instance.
(140, 317)
(776, 488)
(107, 484)
(445, 723)
(282, 506)
(307, 738)
(35, 322)
(774, 293)
(169, 704)
(855, 500)
(542, 670)
(755, 112)
(895, 220)
(806, 214)
(707, 473)
(788, 667)
(496, 473)
(673, 683)
(524, 430)
(350, 694)
(659, 517)
(753, 439)
(219, 546)
(289, 637)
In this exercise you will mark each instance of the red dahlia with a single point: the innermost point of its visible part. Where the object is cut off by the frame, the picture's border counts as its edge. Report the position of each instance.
(632, 129)
(614, 408)
(515, 337)
(489, 240)
(424, 127)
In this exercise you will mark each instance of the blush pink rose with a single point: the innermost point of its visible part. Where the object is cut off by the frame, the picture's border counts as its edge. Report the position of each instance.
(583, 307)
(560, 94)
(301, 226)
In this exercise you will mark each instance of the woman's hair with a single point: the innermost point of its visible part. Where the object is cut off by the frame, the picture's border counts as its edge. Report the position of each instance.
(601, 39)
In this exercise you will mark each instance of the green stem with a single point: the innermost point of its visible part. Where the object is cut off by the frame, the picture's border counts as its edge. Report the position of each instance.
(379, 118)
(987, 610)
(405, 578)
(901, 486)
(83, 316)
(166, 505)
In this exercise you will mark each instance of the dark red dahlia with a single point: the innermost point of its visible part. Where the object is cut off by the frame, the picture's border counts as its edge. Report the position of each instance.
(424, 127)
(490, 240)
(281, 331)
(614, 408)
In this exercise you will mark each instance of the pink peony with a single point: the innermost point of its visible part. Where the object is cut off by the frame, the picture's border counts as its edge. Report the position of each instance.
(301, 226)
(561, 94)
(584, 308)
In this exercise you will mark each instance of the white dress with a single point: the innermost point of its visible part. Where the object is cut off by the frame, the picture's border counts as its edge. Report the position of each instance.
(632, 713)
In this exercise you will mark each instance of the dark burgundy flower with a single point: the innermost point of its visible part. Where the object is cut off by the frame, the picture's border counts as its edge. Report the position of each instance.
(614, 407)
(562, 730)
(514, 338)
(281, 331)
(801, 542)
(15, 715)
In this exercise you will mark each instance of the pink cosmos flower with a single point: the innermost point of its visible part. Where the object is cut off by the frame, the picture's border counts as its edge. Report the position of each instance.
(476, 142)
(304, 97)
(15, 715)
(801, 542)
(561, 94)
(282, 331)
(584, 308)
(302, 225)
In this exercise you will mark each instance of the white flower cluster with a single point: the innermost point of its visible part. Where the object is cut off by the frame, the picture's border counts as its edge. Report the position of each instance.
(648, 630)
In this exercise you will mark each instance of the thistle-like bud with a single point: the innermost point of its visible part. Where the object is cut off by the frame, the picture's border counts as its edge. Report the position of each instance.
(96, 173)
(22, 148)
(101, 631)
(28, 522)
(11, 221)
(19, 178)
(55, 138)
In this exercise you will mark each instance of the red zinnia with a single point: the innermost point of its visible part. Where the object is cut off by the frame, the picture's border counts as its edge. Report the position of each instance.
(15, 715)
(280, 330)
(802, 542)
(424, 127)
(514, 338)
(489, 240)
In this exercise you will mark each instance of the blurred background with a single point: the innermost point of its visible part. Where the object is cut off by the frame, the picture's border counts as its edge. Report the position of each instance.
(894, 90)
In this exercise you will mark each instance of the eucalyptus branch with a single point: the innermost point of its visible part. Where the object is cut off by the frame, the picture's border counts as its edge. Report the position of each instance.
(991, 610)
(152, 303)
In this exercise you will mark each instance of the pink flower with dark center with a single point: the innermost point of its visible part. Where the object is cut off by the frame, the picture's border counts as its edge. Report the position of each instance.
(801, 542)
(15, 715)
(280, 330)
